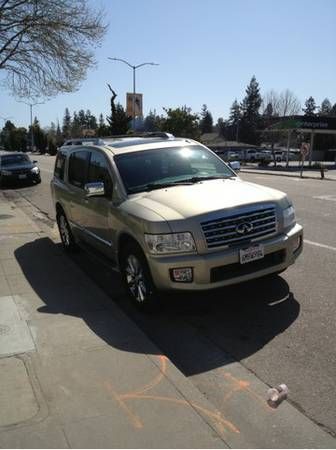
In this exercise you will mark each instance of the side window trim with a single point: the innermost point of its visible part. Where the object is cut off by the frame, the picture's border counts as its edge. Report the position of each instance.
(88, 157)
(107, 164)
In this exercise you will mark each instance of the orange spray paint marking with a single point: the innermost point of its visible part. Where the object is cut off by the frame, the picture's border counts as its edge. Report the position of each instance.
(221, 423)
(217, 417)
(136, 422)
(241, 385)
(154, 382)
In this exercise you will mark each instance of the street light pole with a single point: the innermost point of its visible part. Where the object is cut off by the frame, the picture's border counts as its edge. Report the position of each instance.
(134, 69)
(31, 119)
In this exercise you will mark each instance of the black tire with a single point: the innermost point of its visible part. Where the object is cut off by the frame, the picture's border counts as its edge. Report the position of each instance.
(137, 279)
(68, 241)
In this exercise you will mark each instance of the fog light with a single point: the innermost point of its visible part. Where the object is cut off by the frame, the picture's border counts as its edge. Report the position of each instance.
(182, 275)
(297, 243)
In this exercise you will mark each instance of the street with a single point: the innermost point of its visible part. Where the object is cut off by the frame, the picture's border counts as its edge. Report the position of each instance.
(280, 329)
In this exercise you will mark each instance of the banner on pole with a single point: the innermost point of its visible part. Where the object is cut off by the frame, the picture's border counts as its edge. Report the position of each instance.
(137, 105)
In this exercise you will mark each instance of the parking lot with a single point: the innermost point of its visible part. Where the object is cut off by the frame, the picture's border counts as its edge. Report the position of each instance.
(282, 330)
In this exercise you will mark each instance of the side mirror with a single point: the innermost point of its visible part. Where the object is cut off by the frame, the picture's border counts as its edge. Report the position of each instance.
(96, 189)
(35, 162)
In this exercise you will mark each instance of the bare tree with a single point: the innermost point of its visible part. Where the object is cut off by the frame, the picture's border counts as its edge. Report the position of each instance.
(46, 46)
(113, 97)
(289, 104)
(270, 98)
(284, 104)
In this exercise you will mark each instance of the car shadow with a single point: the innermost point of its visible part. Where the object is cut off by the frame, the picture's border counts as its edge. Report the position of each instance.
(10, 186)
(197, 331)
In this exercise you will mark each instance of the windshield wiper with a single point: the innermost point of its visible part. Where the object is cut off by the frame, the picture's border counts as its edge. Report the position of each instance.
(153, 186)
(210, 177)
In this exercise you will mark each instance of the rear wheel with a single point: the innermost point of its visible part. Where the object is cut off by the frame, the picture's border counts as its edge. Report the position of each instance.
(65, 232)
(137, 279)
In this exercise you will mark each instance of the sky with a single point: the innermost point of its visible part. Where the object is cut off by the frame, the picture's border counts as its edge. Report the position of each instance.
(207, 52)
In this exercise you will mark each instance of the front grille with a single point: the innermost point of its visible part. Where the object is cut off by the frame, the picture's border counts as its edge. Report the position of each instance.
(223, 231)
(223, 273)
(20, 171)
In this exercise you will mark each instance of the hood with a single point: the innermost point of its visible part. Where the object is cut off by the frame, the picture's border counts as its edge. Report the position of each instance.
(181, 202)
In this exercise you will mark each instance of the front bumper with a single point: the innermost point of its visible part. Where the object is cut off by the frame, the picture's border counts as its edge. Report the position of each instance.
(20, 178)
(209, 271)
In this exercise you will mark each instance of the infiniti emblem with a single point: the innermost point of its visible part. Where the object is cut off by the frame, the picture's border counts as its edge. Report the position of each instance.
(243, 228)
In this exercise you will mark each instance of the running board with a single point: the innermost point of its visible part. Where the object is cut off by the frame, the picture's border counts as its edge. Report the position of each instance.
(101, 258)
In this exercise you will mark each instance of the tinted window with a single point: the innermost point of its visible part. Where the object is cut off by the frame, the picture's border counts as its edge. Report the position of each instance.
(98, 171)
(78, 168)
(60, 165)
(7, 160)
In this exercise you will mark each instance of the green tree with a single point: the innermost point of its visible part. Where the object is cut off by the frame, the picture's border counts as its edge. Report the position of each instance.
(91, 121)
(82, 118)
(75, 126)
(12, 138)
(268, 111)
(66, 129)
(119, 121)
(103, 129)
(181, 122)
(235, 113)
(51, 139)
(152, 122)
(333, 110)
(326, 107)
(248, 129)
(40, 138)
(59, 137)
(310, 107)
(206, 122)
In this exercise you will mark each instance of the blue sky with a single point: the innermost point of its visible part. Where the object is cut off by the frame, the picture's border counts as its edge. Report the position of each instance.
(207, 51)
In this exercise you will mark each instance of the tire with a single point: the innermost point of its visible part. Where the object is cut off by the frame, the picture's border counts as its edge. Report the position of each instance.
(68, 241)
(137, 279)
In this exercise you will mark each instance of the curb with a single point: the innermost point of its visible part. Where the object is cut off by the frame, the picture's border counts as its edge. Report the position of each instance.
(259, 172)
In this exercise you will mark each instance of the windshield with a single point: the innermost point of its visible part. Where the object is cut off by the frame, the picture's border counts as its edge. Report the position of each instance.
(164, 167)
(8, 160)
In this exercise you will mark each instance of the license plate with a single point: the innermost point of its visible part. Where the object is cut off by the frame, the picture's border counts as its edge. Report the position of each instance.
(21, 177)
(249, 254)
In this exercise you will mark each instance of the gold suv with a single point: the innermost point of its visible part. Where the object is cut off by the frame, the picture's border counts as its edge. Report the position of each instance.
(170, 215)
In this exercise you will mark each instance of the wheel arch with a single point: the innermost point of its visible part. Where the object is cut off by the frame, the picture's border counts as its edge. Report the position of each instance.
(124, 239)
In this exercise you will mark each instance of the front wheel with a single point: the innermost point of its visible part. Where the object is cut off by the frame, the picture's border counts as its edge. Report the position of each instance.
(137, 279)
(65, 232)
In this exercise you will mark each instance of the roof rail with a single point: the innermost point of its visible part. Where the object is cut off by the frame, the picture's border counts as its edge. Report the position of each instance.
(80, 141)
(149, 134)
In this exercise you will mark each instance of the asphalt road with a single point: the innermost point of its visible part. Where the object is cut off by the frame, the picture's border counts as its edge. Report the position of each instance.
(283, 330)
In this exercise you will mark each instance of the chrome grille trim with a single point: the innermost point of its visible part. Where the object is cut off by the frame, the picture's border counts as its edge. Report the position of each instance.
(222, 231)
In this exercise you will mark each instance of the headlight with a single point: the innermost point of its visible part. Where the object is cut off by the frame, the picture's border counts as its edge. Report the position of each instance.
(6, 172)
(289, 216)
(170, 243)
(35, 170)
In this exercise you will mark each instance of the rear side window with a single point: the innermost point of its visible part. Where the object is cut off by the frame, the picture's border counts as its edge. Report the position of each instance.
(78, 165)
(60, 165)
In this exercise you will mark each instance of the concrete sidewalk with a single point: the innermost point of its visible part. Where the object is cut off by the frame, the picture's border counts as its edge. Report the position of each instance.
(75, 371)
(329, 175)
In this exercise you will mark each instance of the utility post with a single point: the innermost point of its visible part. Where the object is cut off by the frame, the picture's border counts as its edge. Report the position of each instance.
(312, 135)
(134, 92)
(31, 120)
(288, 145)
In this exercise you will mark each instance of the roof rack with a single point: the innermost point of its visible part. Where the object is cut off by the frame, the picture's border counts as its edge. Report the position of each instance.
(150, 134)
(80, 141)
